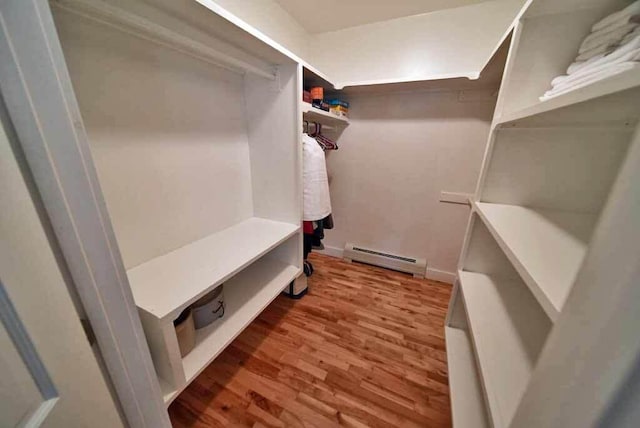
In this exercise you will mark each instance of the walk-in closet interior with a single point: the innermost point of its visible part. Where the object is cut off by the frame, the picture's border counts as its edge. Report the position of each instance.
(361, 213)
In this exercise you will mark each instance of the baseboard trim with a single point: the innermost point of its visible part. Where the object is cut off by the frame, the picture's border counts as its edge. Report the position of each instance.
(331, 251)
(433, 274)
(441, 275)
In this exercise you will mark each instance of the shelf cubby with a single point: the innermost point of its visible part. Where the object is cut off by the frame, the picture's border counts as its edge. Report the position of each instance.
(508, 329)
(167, 284)
(546, 247)
(467, 404)
(246, 295)
(315, 114)
(467, 399)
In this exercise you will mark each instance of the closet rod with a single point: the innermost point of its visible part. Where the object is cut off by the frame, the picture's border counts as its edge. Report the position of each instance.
(134, 25)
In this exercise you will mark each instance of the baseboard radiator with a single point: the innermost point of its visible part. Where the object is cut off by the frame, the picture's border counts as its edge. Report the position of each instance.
(415, 266)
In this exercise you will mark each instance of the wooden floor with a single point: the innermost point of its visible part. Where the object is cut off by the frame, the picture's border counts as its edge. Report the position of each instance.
(365, 347)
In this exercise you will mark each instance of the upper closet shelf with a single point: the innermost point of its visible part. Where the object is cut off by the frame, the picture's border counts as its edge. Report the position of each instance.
(206, 49)
(612, 85)
(167, 284)
(546, 247)
(324, 117)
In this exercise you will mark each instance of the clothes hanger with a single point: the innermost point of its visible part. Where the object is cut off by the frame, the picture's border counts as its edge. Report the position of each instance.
(325, 143)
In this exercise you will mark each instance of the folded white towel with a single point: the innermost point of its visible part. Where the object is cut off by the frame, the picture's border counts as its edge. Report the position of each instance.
(625, 20)
(598, 50)
(592, 78)
(627, 52)
(632, 35)
(563, 81)
(632, 9)
(608, 38)
(578, 65)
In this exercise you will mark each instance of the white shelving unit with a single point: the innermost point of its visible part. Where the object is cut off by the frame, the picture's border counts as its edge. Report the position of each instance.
(628, 80)
(467, 405)
(153, 282)
(508, 330)
(317, 115)
(535, 245)
(546, 247)
(246, 295)
(202, 191)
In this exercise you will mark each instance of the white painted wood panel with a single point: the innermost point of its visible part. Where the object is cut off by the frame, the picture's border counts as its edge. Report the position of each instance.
(275, 150)
(168, 136)
(50, 375)
(399, 50)
(549, 170)
(167, 284)
(314, 114)
(212, 50)
(415, 47)
(614, 84)
(508, 329)
(483, 255)
(467, 401)
(546, 247)
(245, 296)
(546, 46)
(594, 347)
(557, 168)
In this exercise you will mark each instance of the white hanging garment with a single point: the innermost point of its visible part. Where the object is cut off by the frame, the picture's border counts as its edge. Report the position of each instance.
(317, 204)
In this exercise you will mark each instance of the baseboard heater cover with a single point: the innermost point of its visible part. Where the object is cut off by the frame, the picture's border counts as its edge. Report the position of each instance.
(358, 253)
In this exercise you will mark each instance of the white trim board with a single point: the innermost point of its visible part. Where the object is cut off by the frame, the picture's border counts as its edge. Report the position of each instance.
(331, 251)
(39, 97)
(441, 275)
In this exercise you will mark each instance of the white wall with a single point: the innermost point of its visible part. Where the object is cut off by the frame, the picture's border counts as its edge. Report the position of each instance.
(397, 155)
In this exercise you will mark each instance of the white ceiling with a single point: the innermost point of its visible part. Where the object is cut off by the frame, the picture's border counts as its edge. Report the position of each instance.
(318, 16)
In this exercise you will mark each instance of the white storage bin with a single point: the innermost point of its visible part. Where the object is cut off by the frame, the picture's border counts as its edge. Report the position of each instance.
(209, 308)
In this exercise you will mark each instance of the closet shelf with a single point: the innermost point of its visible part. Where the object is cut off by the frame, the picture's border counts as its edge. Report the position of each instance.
(546, 247)
(324, 117)
(618, 83)
(164, 286)
(225, 55)
(245, 295)
(467, 403)
(508, 329)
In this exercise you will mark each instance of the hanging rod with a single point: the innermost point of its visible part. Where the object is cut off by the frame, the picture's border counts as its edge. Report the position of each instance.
(135, 25)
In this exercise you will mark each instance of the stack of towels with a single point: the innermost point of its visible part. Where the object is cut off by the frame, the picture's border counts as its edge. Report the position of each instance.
(612, 47)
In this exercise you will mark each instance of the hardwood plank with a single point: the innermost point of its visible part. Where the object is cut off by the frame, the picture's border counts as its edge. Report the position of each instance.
(365, 347)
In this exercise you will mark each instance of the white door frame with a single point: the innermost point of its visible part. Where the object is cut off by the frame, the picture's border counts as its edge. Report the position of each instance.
(37, 91)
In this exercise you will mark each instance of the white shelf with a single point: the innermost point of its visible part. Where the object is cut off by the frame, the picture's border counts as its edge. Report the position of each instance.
(225, 55)
(546, 247)
(614, 84)
(508, 329)
(167, 284)
(324, 117)
(467, 403)
(245, 295)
